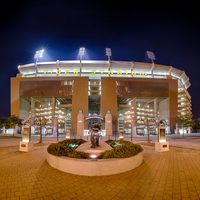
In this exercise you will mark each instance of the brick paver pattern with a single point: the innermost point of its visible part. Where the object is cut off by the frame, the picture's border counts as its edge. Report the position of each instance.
(167, 175)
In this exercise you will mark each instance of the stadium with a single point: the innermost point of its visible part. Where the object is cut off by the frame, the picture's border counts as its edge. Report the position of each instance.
(137, 94)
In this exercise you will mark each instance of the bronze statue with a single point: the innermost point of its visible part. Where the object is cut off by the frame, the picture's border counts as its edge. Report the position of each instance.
(95, 136)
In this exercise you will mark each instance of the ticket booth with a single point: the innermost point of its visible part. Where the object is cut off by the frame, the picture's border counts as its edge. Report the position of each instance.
(161, 145)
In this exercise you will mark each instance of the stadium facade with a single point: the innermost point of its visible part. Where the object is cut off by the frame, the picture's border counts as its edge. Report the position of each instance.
(137, 94)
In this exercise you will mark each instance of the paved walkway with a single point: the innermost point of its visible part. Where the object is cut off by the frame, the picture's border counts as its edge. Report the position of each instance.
(168, 175)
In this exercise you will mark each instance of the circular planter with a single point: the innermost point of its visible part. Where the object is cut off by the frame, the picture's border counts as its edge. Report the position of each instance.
(94, 167)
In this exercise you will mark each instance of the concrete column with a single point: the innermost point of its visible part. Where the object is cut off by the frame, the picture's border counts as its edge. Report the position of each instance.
(32, 110)
(155, 102)
(54, 119)
(134, 119)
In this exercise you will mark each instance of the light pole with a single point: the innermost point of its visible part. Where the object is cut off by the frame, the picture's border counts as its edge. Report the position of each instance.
(38, 54)
(108, 54)
(152, 57)
(40, 122)
(57, 128)
(147, 124)
(148, 133)
(81, 54)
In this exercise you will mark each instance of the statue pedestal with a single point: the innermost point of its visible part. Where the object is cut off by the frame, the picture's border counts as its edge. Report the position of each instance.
(161, 146)
(25, 146)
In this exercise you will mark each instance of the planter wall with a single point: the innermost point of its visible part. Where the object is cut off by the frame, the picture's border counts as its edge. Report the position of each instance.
(95, 167)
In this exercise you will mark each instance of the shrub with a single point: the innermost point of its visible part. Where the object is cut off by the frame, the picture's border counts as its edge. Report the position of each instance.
(67, 148)
(72, 143)
(58, 149)
(121, 149)
(78, 154)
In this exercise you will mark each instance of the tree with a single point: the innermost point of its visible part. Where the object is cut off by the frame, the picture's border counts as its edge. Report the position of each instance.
(196, 124)
(4, 123)
(10, 122)
(41, 122)
(184, 122)
(13, 121)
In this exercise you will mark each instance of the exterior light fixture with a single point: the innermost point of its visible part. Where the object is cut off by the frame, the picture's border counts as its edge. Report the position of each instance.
(108, 53)
(81, 52)
(121, 137)
(39, 54)
(152, 57)
(93, 156)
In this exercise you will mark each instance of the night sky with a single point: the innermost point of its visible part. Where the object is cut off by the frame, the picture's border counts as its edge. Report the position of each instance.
(171, 30)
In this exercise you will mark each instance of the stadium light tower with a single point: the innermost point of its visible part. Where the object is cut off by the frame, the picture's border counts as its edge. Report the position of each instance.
(108, 53)
(81, 53)
(152, 57)
(39, 54)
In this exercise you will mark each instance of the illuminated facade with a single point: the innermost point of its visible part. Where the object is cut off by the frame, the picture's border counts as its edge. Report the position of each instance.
(137, 94)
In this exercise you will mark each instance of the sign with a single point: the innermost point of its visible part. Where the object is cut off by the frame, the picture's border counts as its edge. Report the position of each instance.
(76, 71)
(26, 134)
(162, 134)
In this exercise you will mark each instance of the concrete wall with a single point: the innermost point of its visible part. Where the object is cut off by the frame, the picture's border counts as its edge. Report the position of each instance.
(89, 167)
(141, 87)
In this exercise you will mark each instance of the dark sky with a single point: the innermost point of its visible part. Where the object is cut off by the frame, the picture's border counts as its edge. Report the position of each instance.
(171, 30)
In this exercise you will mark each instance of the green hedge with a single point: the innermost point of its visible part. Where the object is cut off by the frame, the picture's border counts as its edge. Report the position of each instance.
(67, 148)
(121, 149)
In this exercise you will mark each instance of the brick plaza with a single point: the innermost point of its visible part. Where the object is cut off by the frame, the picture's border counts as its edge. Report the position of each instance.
(167, 175)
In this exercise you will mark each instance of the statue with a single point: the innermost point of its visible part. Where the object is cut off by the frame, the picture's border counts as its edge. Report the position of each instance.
(95, 136)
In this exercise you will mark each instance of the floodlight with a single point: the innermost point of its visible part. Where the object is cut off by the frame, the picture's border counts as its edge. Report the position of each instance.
(39, 54)
(108, 52)
(151, 55)
(81, 52)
